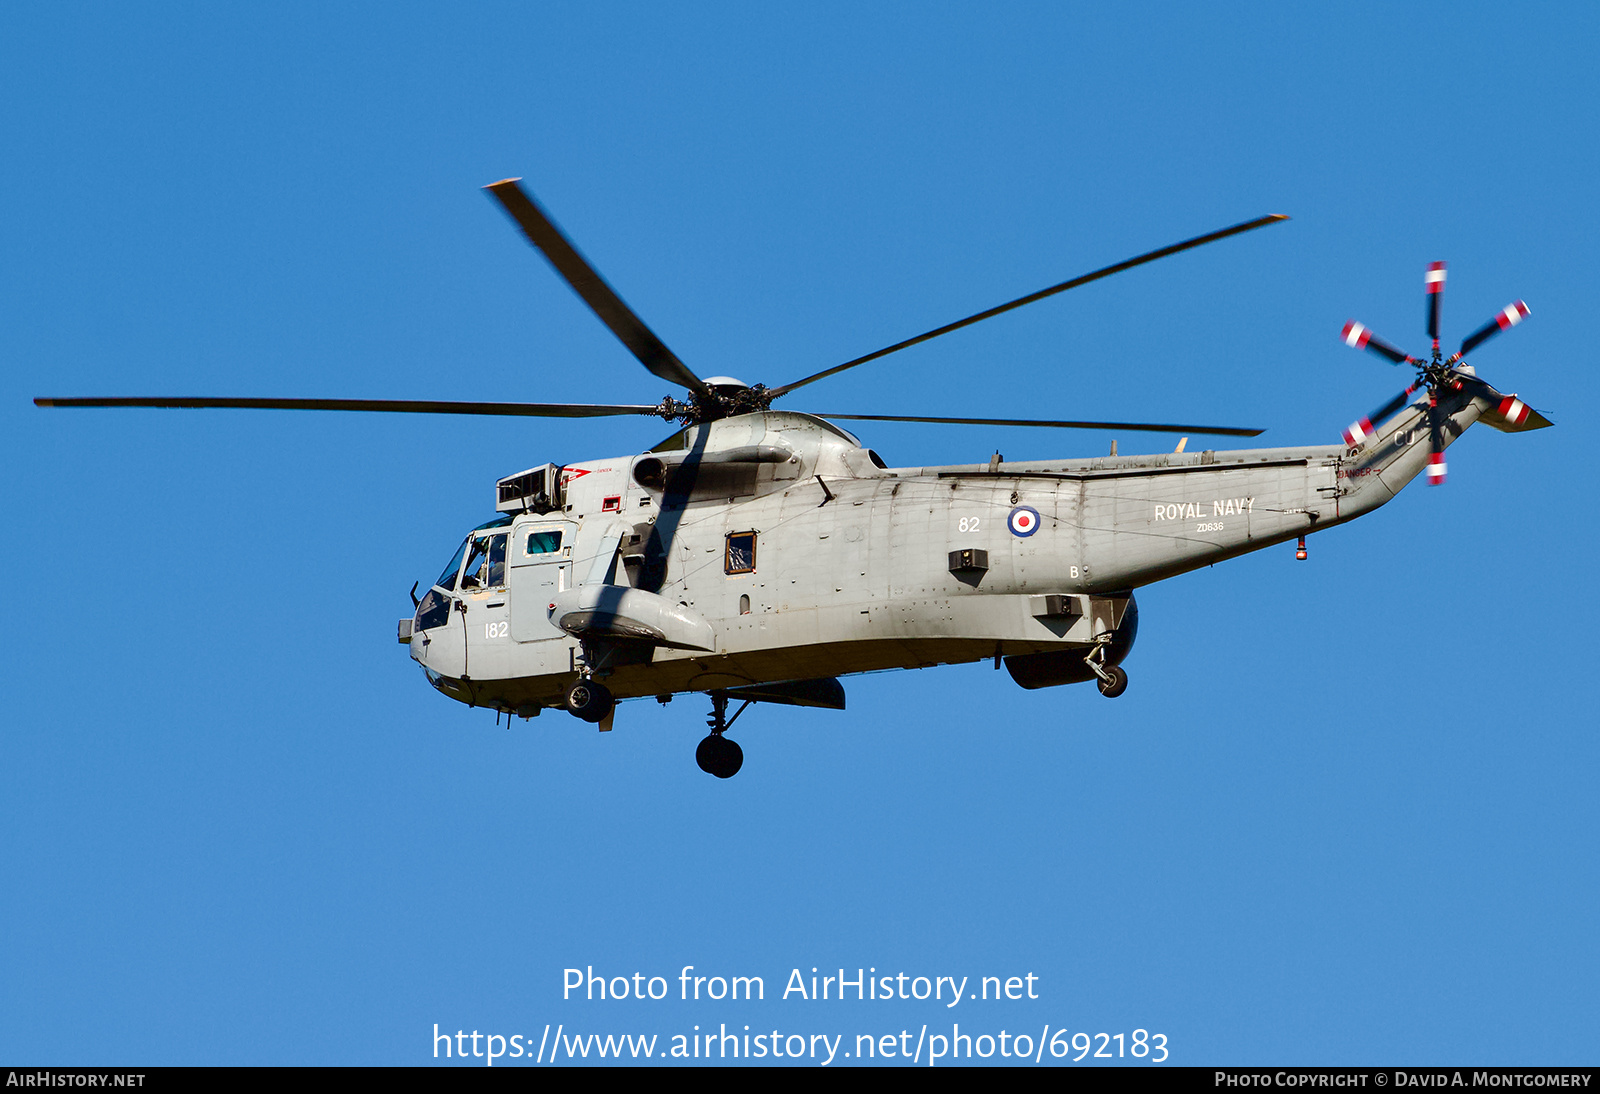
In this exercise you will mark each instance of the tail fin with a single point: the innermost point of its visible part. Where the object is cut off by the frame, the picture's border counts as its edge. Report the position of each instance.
(1397, 450)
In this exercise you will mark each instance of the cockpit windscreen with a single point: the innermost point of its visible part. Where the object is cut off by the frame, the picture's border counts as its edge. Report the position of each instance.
(447, 580)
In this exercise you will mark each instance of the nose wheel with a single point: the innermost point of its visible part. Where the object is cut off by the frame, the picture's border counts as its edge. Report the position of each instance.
(717, 755)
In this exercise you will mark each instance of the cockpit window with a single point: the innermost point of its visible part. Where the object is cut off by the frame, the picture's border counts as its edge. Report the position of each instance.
(477, 561)
(486, 564)
(497, 561)
(447, 580)
(434, 610)
(543, 543)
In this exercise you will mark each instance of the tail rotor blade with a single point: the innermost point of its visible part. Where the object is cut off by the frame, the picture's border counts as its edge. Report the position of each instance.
(1509, 316)
(1436, 467)
(1364, 429)
(1434, 284)
(1357, 336)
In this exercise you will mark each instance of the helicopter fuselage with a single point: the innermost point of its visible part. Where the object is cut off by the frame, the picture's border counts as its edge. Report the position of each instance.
(773, 547)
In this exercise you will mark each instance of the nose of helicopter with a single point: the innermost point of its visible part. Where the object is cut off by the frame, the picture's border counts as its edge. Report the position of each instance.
(419, 642)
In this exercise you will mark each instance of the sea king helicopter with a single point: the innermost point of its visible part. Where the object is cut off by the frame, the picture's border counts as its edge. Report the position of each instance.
(756, 555)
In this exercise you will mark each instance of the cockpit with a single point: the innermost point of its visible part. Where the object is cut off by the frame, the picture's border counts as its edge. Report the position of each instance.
(481, 563)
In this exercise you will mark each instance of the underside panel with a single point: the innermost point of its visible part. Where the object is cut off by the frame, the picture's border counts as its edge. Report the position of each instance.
(705, 673)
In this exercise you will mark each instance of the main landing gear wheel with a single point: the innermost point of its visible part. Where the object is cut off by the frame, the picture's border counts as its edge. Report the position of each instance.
(1116, 685)
(589, 700)
(719, 756)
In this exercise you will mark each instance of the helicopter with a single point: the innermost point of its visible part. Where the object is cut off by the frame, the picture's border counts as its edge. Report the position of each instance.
(756, 555)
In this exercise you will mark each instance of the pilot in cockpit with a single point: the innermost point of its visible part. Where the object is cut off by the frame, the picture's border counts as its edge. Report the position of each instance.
(477, 568)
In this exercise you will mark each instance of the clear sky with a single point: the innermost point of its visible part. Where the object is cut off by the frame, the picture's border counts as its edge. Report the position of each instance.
(1345, 812)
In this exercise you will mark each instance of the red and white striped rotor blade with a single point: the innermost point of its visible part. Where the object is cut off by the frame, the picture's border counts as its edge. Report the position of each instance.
(1357, 336)
(1436, 466)
(1508, 317)
(1364, 429)
(1433, 283)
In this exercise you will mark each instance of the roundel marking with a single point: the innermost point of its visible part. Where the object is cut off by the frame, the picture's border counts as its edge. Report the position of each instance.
(1023, 521)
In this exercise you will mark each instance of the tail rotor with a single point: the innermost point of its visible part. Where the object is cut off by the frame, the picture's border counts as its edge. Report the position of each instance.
(1434, 374)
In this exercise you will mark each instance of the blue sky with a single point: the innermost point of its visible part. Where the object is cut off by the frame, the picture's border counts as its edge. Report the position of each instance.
(1344, 813)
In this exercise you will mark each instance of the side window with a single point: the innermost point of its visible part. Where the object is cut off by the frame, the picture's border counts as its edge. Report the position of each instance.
(741, 553)
(541, 543)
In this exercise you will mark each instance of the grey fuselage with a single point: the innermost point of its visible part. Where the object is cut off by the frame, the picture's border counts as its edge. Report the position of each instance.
(854, 567)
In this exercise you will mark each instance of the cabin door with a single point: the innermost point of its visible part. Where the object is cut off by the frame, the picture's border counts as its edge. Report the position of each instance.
(541, 566)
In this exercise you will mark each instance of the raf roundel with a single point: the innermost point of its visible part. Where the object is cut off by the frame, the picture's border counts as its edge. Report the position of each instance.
(1024, 521)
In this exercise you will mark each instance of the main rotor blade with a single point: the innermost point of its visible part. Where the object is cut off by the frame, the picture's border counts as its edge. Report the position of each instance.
(592, 288)
(390, 406)
(1107, 271)
(1138, 427)
(1509, 316)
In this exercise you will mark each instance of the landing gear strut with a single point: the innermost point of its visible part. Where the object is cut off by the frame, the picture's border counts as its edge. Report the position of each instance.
(717, 755)
(588, 698)
(1113, 681)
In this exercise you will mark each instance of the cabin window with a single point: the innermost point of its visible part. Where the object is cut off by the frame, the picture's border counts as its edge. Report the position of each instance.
(741, 554)
(542, 543)
(744, 604)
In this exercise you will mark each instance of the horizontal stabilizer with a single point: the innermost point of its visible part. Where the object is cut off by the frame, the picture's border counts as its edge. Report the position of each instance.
(1512, 415)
